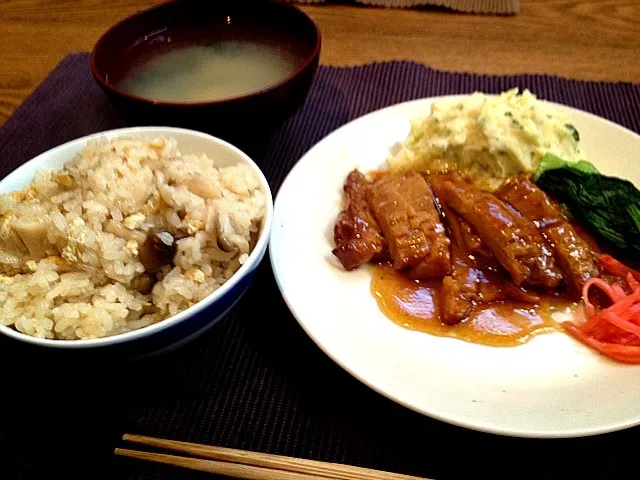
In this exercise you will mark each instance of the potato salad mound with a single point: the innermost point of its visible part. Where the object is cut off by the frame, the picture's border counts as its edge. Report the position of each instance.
(489, 137)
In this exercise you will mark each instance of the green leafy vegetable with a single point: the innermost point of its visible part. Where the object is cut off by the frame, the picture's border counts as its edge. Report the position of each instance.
(552, 162)
(609, 207)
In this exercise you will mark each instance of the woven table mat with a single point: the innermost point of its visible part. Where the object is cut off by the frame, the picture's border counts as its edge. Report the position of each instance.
(499, 7)
(255, 380)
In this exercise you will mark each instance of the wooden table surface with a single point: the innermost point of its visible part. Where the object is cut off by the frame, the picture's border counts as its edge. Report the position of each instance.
(585, 39)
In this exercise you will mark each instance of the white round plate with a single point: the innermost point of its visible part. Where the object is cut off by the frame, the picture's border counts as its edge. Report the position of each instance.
(551, 386)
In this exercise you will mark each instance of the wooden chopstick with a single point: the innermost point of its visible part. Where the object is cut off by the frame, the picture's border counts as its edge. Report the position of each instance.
(234, 470)
(251, 465)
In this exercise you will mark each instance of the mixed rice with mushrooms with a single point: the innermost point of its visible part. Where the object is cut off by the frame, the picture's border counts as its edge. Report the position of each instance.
(128, 233)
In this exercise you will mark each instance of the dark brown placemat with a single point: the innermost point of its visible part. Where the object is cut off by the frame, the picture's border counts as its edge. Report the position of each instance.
(255, 381)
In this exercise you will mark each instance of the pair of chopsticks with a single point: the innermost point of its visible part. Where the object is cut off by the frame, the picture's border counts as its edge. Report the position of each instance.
(250, 465)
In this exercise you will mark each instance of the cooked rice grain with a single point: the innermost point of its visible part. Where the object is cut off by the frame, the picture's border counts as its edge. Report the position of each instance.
(70, 242)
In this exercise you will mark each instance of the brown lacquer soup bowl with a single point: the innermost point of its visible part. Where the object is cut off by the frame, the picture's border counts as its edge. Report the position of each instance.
(233, 69)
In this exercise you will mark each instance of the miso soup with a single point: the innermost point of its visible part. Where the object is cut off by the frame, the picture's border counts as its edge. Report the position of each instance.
(209, 72)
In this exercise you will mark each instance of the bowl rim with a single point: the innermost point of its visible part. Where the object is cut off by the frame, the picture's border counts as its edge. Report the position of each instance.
(311, 58)
(251, 264)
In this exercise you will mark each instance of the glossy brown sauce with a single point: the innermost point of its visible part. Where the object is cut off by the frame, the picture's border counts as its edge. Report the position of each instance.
(413, 304)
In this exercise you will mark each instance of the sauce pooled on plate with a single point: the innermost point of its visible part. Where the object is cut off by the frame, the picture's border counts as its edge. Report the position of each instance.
(414, 304)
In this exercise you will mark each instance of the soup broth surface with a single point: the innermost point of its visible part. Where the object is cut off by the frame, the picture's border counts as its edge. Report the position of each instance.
(209, 72)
